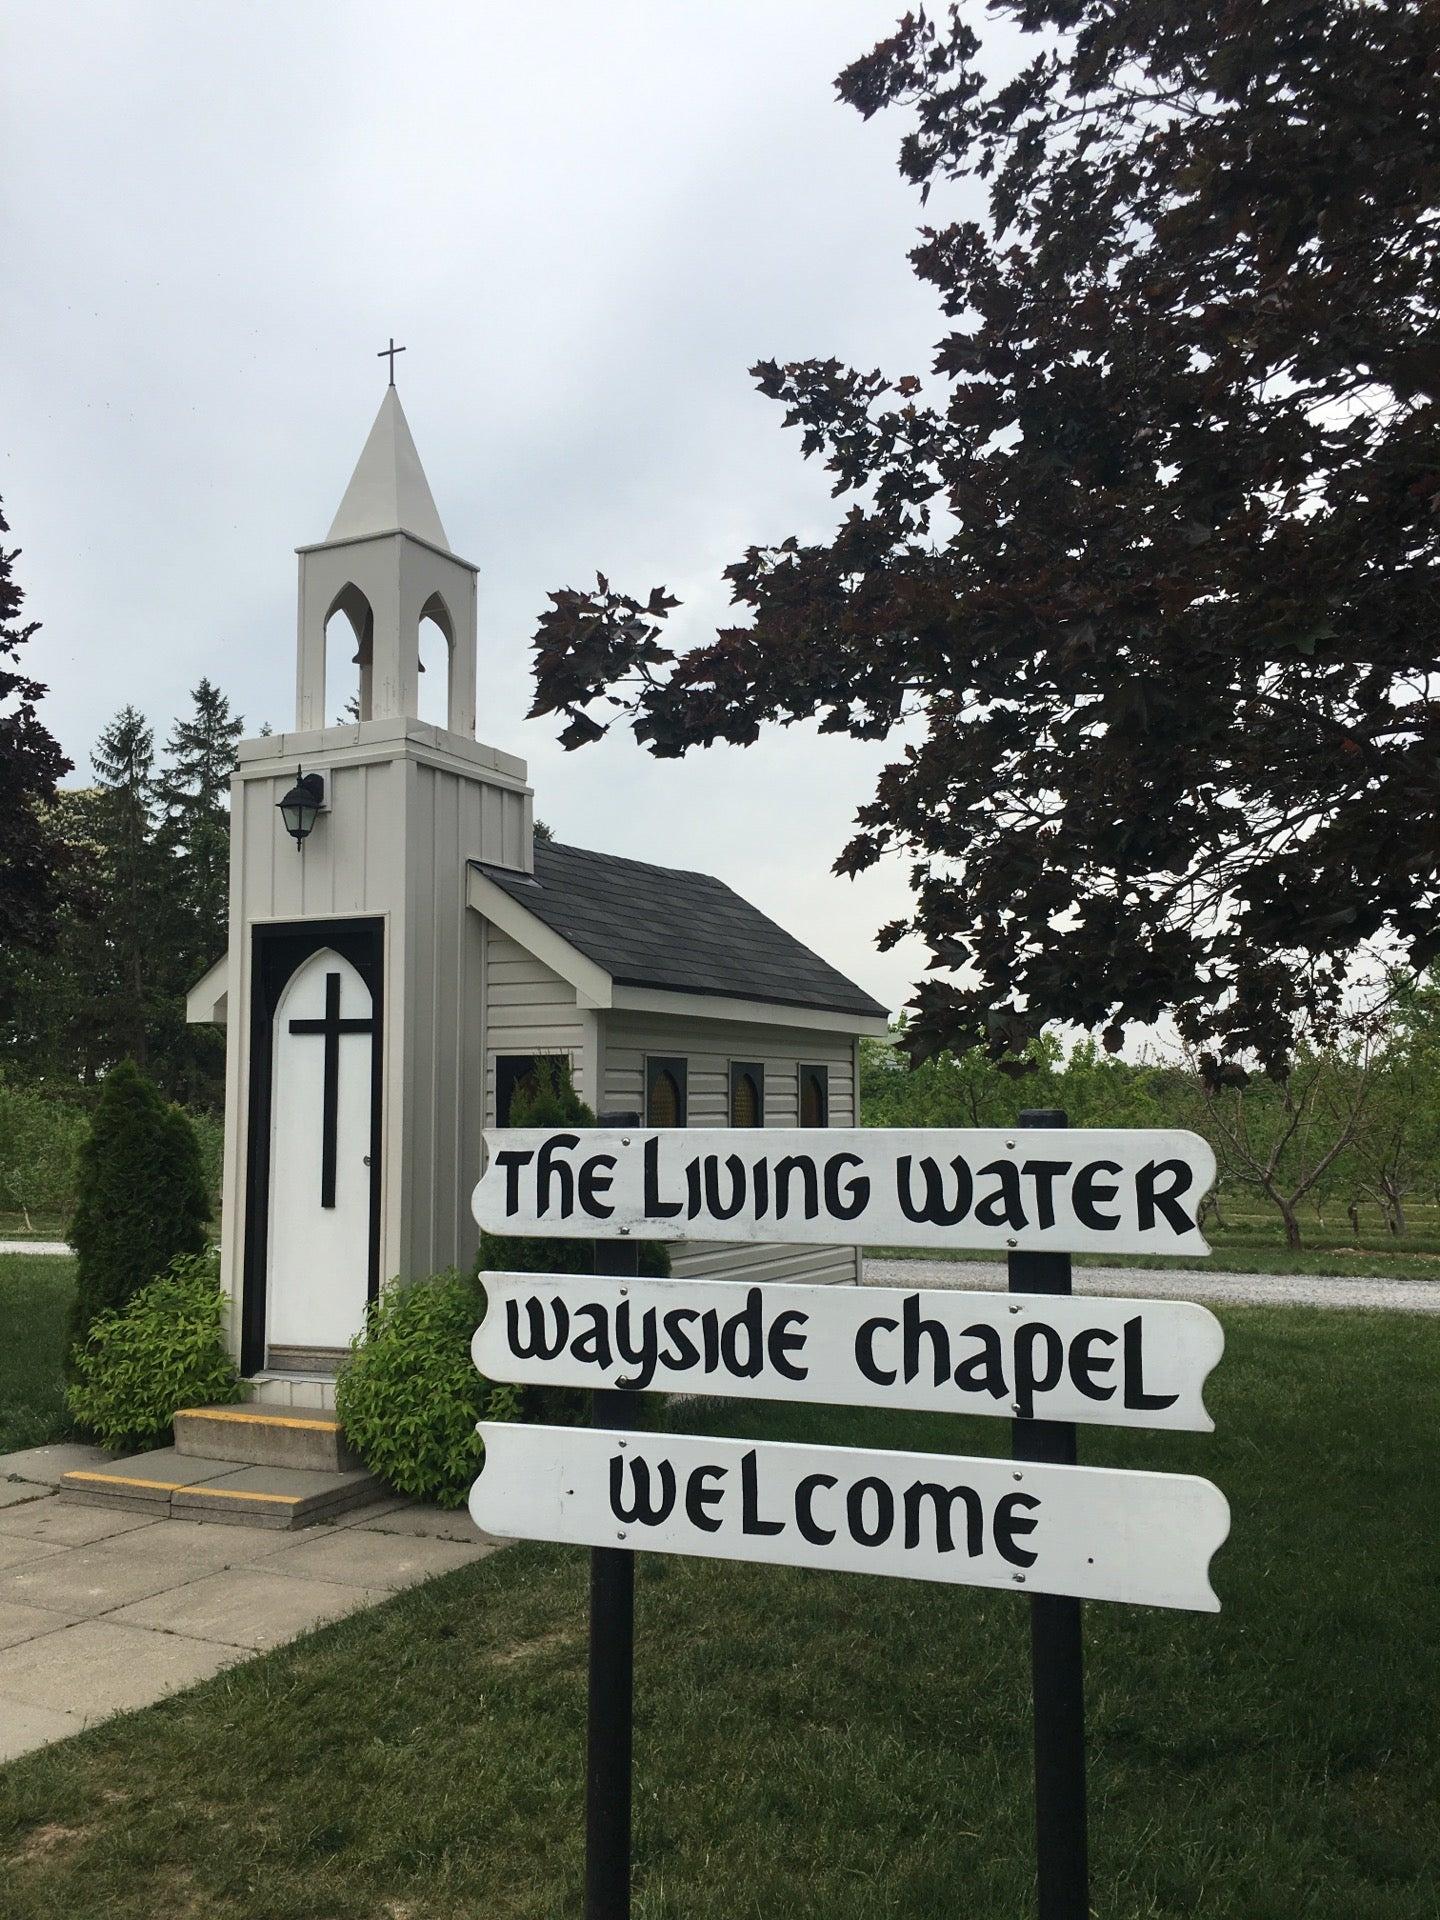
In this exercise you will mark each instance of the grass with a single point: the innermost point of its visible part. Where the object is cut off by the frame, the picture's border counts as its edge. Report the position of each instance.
(1251, 1242)
(35, 1290)
(827, 1745)
(34, 1226)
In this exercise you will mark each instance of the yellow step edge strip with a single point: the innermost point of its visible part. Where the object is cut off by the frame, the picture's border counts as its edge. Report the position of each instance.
(249, 1418)
(240, 1493)
(182, 1486)
(121, 1480)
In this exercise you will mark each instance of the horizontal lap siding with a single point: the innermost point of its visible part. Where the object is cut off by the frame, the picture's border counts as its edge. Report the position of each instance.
(714, 1260)
(529, 1009)
(708, 1047)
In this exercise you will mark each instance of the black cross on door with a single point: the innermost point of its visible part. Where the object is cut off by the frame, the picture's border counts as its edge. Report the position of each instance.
(332, 1026)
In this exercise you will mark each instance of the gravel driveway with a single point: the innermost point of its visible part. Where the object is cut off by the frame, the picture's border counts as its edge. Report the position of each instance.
(1149, 1283)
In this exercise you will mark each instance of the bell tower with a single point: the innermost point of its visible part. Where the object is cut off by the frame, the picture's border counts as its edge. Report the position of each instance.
(386, 565)
(353, 988)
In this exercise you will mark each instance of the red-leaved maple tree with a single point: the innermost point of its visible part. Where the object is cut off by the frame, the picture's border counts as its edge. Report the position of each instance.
(1152, 555)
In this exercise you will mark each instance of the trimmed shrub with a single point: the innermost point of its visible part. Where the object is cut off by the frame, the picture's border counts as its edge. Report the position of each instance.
(164, 1350)
(408, 1396)
(547, 1098)
(511, 1253)
(142, 1197)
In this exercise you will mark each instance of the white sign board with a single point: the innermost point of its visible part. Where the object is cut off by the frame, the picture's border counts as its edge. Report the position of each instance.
(1122, 1363)
(1067, 1190)
(1093, 1532)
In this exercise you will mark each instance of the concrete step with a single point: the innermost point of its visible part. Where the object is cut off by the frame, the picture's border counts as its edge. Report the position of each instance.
(292, 1390)
(189, 1487)
(266, 1436)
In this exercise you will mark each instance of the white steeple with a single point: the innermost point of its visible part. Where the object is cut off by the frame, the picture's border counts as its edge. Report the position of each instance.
(386, 565)
(388, 490)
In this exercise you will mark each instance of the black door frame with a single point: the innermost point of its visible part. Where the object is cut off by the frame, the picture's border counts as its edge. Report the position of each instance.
(277, 950)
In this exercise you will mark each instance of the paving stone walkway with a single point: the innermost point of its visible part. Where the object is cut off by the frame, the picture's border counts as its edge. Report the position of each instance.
(103, 1610)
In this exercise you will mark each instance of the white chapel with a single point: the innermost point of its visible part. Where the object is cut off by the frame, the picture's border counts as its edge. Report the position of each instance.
(402, 949)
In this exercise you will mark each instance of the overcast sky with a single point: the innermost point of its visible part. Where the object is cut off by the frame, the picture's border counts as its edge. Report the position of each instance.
(584, 222)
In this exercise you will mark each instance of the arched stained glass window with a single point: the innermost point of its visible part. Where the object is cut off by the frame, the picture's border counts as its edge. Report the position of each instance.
(665, 1093)
(747, 1094)
(814, 1096)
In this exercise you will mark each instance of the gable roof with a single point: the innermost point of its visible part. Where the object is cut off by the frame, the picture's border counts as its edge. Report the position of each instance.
(678, 931)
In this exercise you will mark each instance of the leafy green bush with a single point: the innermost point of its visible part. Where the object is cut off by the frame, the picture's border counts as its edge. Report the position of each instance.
(408, 1396)
(162, 1351)
(210, 1137)
(142, 1197)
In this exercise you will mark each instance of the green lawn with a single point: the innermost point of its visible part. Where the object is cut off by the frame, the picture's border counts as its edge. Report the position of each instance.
(35, 1226)
(1251, 1240)
(35, 1290)
(828, 1745)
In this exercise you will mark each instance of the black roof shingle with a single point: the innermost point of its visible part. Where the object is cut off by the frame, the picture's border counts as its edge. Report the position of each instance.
(681, 932)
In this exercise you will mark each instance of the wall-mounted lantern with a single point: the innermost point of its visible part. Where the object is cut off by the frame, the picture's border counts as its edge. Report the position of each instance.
(301, 804)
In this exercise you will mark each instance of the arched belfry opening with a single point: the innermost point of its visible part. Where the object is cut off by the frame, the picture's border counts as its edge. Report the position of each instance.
(435, 642)
(349, 655)
(384, 579)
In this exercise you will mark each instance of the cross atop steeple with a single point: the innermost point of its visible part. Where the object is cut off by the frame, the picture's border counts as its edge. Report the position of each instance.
(389, 353)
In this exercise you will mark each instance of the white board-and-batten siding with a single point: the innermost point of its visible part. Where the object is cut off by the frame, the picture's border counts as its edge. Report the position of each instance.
(405, 808)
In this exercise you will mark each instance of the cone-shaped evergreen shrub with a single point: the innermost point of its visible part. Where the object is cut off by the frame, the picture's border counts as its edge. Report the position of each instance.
(546, 1097)
(141, 1197)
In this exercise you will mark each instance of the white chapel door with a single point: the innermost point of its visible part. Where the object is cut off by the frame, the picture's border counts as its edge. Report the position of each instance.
(319, 1229)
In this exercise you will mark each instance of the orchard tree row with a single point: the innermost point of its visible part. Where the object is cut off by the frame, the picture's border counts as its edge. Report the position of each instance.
(1351, 1128)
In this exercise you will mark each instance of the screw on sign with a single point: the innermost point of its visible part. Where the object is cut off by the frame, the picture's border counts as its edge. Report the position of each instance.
(1038, 1523)
(1131, 1363)
(1069, 1190)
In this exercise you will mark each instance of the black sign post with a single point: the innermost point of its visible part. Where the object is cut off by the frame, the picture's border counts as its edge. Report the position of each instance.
(1056, 1656)
(1141, 1538)
(610, 1717)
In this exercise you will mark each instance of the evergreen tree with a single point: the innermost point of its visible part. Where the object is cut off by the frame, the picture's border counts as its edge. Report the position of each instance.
(130, 880)
(194, 852)
(31, 856)
(141, 1196)
(54, 1023)
(194, 793)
